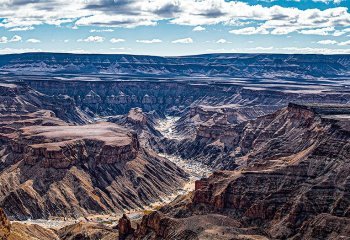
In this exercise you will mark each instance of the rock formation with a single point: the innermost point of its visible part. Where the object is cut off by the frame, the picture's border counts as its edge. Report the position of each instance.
(76, 140)
(18, 231)
(292, 182)
(252, 66)
(5, 226)
(124, 228)
(90, 231)
(50, 167)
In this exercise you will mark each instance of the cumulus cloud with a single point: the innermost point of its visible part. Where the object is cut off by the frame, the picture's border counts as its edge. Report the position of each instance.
(97, 39)
(250, 31)
(101, 30)
(132, 13)
(318, 31)
(329, 1)
(149, 41)
(346, 43)
(33, 40)
(4, 40)
(15, 38)
(117, 40)
(18, 29)
(198, 29)
(222, 41)
(183, 40)
(327, 42)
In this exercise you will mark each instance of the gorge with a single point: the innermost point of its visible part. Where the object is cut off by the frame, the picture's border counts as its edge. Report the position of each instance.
(230, 146)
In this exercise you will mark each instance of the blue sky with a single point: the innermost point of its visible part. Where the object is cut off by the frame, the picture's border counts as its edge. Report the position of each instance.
(175, 27)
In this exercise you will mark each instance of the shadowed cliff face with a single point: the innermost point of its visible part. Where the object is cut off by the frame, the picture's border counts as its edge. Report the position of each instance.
(18, 98)
(294, 184)
(224, 145)
(106, 97)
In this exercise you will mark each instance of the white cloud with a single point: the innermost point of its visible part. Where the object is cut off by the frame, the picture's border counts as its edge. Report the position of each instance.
(97, 39)
(149, 41)
(117, 40)
(16, 50)
(329, 1)
(346, 43)
(66, 40)
(4, 40)
(183, 40)
(318, 31)
(33, 40)
(18, 29)
(150, 12)
(327, 42)
(15, 38)
(338, 33)
(198, 29)
(283, 30)
(250, 31)
(222, 41)
(101, 30)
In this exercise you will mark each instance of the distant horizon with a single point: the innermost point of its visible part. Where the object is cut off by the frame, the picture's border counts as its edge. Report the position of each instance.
(175, 27)
(174, 56)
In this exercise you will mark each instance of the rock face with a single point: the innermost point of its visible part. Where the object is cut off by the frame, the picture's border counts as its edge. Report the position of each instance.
(227, 146)
(88, 231)
(64, 146)
(50, 167)
(136, 116)
(18, 98)
(5, 226)
(124, 227)
(282, 175)
(18, 231)
(238, 101)
(292, 182)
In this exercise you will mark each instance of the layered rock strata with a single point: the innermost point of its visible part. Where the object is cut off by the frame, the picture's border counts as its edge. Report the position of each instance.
(293, 183)
(50, 167)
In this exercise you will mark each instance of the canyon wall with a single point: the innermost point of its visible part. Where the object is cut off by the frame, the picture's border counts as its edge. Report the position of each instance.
(293, 183)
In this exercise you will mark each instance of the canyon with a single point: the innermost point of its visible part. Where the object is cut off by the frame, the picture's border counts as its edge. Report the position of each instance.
(230, 146)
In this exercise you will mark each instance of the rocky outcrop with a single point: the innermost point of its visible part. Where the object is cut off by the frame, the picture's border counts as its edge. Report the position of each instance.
(124, 227)
(50, 167)
(5, 226)
(92, 98)
(137, 117)
(227, 146)
(75, 171)
(292, 182)
(90, 231)
(65, 146)
(224, 102)
(18, 231)
(18, 98)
